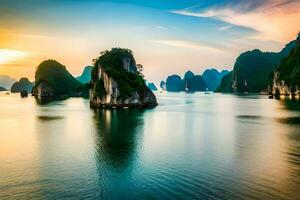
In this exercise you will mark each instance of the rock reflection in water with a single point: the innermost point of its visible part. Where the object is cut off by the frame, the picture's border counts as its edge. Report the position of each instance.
(117, 132)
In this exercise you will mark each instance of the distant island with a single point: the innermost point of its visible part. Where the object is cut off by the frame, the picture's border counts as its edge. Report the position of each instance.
(209, 80)
(22, 85)
(213, 77)
(162, 85)
(6, 81)
(117, 82)
(2, 89)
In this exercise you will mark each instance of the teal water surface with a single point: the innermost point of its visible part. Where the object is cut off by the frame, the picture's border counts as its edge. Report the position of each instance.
(192, 146)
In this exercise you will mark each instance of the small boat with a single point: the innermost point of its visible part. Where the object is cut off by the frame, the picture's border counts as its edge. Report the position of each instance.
(7, 93)
(246, 87)
(186, 89)
(206, 92)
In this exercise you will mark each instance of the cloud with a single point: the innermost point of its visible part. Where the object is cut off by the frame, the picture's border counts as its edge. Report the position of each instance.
(147, 28)
(277, 20)
(161, 27)
(225, 28)
(33, 36)
(283, 3)
(189, 45)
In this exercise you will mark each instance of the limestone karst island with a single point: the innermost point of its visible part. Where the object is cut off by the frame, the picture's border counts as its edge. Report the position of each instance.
(116, 82)
(160, 99)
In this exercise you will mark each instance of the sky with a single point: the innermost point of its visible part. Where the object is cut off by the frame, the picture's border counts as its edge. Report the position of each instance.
(166, 36)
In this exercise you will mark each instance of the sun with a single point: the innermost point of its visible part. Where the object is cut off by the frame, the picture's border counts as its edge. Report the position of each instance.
(7, 56)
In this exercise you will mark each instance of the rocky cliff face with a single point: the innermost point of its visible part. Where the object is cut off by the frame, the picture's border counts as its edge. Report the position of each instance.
(280, 87)
(116, 82)
(286, 79)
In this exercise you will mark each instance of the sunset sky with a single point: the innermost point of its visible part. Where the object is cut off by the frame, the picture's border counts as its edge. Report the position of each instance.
(166, 36)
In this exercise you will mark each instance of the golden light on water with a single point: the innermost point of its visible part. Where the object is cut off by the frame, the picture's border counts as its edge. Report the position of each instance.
(8, 56)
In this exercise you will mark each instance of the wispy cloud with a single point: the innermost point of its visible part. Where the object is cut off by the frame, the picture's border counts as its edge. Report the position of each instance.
(189, 44)
(8, 32)
(225, 28)
(282, 3)
(277, 20)
(161, 27)
(32, 36)
(147, 28)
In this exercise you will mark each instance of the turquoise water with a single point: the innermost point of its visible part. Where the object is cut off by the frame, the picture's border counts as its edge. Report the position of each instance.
(192, 146)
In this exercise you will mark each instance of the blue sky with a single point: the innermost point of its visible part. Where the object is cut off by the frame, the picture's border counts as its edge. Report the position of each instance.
(167, 36)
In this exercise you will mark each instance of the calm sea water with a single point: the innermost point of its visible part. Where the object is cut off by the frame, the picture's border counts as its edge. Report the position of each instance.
(192, 146)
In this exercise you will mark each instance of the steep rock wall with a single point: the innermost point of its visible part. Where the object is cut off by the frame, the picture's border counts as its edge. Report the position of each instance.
(281, 88)
(111, 98)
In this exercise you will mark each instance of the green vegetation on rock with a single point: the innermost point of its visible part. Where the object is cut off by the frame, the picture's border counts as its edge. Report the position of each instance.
(289, 68)
(112, 62)
(57, 76)
(226, 84)
(252, 69)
